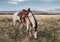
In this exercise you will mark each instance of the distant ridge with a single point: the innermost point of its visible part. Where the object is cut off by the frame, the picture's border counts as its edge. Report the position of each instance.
(7, 12)
(51, 12)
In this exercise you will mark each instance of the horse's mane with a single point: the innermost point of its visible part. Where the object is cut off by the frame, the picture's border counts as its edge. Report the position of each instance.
(34, 19)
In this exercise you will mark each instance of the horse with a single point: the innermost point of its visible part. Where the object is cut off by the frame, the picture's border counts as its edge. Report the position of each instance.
(30, 19)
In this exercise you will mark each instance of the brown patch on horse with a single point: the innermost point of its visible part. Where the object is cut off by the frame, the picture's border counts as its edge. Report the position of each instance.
(23, 15)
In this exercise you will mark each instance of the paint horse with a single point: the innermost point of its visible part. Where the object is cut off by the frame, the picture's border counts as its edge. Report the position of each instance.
(30, 21)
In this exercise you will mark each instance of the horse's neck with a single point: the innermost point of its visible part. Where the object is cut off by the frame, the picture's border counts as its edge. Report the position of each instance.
(32, 19)
(30, 15)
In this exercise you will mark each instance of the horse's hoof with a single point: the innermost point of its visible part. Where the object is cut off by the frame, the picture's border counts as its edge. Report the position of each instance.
(30, 35)
(27, 31)
(21, 33)
(35, 35)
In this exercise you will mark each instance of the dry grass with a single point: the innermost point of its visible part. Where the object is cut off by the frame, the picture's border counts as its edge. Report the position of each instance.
(48, 29)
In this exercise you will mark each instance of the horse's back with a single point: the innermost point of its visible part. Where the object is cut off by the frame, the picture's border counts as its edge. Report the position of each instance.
(15, 16)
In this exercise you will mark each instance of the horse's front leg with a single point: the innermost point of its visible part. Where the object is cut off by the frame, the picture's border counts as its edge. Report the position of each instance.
(28, 28)
(27, 23)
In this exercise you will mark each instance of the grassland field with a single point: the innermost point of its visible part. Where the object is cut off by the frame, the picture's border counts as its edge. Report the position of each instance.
(48, 29)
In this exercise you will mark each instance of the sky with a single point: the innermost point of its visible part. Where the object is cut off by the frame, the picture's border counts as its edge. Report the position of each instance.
(16, 5)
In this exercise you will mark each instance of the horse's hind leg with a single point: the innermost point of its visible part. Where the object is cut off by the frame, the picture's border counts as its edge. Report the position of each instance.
(21, 25)
(14, 23)
(19, 20)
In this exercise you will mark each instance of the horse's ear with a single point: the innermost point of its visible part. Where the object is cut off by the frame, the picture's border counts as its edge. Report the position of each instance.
(29, 9)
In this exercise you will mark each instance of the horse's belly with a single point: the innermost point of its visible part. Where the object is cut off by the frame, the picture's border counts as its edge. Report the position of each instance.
(15, 17)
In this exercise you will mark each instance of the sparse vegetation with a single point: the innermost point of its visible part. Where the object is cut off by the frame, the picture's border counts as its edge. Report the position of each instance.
(48, 30)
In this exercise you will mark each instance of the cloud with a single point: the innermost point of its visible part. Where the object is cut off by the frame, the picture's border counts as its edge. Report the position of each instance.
(50, 0)
(44, 0)
(47, 0)
(15, 1)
